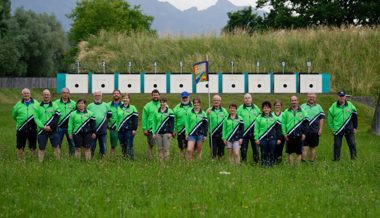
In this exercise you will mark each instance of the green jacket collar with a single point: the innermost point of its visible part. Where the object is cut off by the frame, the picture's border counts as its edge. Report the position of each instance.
(50, 103)
(31, 100)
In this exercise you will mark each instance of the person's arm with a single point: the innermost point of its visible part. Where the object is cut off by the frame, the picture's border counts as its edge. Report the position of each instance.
(56, 116)
(187, 124)
(109, 111)
(205, 125)
(171, 122)
(14, 112)
(70, 125)
(224, 131)
(144, 119)
(330, 120)
(37, 118)
(154, 124)
(354, 117)
(135, 120)
(256, 130)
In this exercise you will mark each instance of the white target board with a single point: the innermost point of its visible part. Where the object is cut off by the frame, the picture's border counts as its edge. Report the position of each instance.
(259, 83)
(77, 83)
(202, 87)
(103, 82)
(181, 83)
(311, 83)
(130, 83)
(156, 81)
(233, 83)
(285, 83)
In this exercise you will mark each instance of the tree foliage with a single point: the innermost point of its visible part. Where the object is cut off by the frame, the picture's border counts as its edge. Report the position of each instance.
(284, 14)
(33, 46)
(5, 13)
(91, 16)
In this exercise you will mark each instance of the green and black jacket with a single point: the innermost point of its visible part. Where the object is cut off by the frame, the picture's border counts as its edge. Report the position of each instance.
(46, 114)
(294, 123)
(196, 123)
(215, 121)
(81, 123)
(180, 112)
(163, 122)
(267, 127)
(112, 122)
(127, 118)
(315, 115)
(66, 109)
(249, 114)
(233, 129)
(148, 113)
(102, 113)
(342, 118)
(23, 114)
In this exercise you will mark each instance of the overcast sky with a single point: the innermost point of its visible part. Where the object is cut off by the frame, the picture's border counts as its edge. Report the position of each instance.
(204, 4)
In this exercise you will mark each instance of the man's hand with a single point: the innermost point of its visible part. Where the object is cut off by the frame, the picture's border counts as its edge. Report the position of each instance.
(133, 132)
(278, 141)
(70, 137)
(47, 128)
(286, 138)
(174, 135)
(93, 136)
(303, 137)
(354, 131)
(154, 136)
(257, 142)
(320, 132)
(146, 133)
(240, 141)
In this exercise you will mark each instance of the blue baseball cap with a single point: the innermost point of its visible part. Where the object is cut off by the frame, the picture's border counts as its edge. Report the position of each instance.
(185, 94)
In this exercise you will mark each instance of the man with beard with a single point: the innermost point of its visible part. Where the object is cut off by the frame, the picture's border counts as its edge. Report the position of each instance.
(114, 105)
(149, 111)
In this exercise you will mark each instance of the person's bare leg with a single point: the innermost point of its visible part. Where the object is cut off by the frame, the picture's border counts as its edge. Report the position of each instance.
(77, 153)
(237, 155)
(41, 155)
(190, 149)
(198, 150)
(298, 159)
(312, 154)
(112, 152)
(20, 153)
(290, 159)
(231, 155)
(304, 153)
(87, 154)
(57, 152)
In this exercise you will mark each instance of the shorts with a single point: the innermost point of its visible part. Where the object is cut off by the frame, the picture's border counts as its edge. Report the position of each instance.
(43, 139)
(294, 145)
(22, 136)
(163, 141)
(83, 140)
(311, 140)
(150, 140)
(233, 145)
(196, 138)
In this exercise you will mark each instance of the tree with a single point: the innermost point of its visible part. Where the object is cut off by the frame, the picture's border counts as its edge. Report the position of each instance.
(91, 16)
(34, 45)
(5, 13)
(243, 20)
(285, 14)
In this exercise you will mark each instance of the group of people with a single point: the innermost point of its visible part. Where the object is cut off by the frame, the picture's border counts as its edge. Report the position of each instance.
(266, 130)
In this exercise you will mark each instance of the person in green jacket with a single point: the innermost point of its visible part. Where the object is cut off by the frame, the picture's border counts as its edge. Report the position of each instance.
(26, 129)
(232, 134)
(114, 105)
(195, 129)
(163, 126)
(294, 126)
(316, 121)
(127, 122)
(147, 120)
(102, 113)
(180, 111)
(249, 111)
(82, 129)
(46, 117)
(267, 134)
(278, 114)
(66, 106)
(216, 116)
(343, 121)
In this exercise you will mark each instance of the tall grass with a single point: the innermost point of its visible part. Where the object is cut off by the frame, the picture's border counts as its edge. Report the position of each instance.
(351, 55)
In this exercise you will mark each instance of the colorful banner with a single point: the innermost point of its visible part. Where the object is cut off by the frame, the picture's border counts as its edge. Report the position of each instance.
(200, 71)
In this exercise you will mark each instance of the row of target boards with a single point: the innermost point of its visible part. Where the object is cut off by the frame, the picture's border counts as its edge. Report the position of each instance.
(177, 83)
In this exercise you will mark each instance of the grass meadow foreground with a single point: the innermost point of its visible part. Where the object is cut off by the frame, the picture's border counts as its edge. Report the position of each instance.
(114, 187)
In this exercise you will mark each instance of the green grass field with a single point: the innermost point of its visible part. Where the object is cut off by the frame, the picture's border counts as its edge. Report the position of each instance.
(115, 187)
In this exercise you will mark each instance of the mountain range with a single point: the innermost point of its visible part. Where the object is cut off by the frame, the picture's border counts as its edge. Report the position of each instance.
(168, 20)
